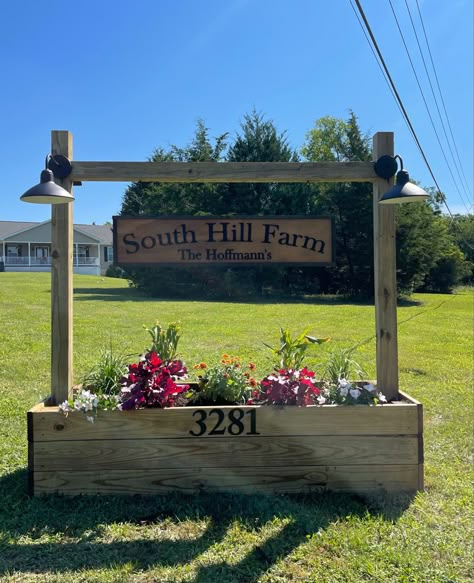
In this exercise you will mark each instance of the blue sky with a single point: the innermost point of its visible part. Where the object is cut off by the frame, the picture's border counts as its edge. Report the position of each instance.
(125, 77)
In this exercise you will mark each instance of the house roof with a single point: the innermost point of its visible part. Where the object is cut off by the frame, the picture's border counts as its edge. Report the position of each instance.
(102, 233)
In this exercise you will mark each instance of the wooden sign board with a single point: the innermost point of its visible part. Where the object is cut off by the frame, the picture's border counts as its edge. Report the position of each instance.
(217, 241)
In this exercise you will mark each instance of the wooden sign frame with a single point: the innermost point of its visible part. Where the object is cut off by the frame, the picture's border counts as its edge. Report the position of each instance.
(249, 172)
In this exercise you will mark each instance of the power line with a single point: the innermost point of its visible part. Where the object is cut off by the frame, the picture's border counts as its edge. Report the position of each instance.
(463, 184)
(440, 92)
(426, 104)
(375, 54)
(400, 103)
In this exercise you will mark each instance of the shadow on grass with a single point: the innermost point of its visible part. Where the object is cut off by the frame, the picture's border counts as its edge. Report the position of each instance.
(67, 534)
(135, 295)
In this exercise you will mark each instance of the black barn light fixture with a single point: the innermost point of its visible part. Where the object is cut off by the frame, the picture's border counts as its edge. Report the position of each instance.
(47, 191)
(404, 190)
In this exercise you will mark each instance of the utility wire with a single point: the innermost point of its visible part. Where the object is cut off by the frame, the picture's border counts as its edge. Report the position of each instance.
(426, 103)
(375, 55)
(400, 102)
(440, 92)
(438, 109)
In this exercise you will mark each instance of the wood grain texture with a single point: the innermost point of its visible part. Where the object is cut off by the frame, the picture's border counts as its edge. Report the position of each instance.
(392, 419)
(236, 240)
(224, 171)
(214, 453)
(385, 276)
(61, 281)
(298, 479)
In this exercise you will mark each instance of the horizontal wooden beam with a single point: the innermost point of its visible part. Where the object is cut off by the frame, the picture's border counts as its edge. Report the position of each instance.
(223, 171)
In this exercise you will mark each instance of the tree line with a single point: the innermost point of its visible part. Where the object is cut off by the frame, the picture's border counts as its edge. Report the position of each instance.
(434, 252)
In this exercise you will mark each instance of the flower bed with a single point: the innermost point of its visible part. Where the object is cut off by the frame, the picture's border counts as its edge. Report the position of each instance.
(148, 430)
(356, 449)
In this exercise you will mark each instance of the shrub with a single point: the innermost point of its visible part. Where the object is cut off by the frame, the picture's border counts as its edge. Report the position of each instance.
(292, 351)
(225, 382)
(165, 340)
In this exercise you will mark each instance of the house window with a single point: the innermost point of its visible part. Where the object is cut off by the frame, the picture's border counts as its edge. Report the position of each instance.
(13, 250)
(109, 254)
(42, 253)
(83, 251)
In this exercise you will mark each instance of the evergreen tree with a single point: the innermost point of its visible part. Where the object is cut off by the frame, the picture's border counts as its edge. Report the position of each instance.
(260, 141)
(154, 198)
(350, 204)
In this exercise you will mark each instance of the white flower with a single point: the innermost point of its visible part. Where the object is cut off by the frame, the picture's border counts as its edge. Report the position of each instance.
(355, 393)
(64, 408)
(344, 383)
(382, 398)
(321, 400)
(369, 387)
(343, 387)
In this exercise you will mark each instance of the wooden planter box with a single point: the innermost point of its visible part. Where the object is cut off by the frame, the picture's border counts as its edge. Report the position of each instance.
(357, 449)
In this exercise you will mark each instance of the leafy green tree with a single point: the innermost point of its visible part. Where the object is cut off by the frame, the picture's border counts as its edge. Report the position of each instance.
(428, 258)
(350, 204)
(456, 263)
(461, 228)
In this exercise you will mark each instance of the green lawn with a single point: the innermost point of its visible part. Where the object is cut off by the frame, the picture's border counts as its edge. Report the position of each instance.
(229, 538)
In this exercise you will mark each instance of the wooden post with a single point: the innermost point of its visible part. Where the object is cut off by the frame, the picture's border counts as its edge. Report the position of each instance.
(61, 282)
(385, 277)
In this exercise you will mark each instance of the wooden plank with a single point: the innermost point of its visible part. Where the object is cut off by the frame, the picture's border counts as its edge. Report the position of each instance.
(224, 171)
(61, 281)
(359, 479)
(385, 277)
(211, 453)
(212, 240)
(393, 419)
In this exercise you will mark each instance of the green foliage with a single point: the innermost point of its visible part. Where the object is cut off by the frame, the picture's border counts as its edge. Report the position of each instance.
(165, 340)
(260, 141)
(350, 204)
(461, 228)
(105, 376)
(341, 364)
(225, 383)
(450, 270)
(115, 271)
(427, 256)
(292, 350)
(155, 198)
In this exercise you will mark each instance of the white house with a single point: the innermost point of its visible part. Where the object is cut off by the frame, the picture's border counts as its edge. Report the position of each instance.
(26, 246)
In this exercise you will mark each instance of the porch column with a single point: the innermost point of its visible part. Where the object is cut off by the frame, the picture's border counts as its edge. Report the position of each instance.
(77, 255)
(29, 255)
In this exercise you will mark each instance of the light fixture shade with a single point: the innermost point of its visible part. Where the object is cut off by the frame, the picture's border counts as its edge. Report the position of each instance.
(404, 191)
(47, 191)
